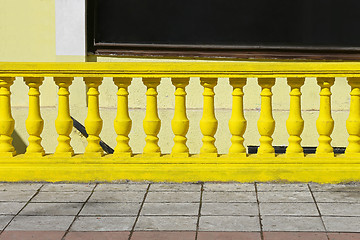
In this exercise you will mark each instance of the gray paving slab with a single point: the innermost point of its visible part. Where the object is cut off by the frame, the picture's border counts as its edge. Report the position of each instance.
(229, 187)
(16, 196)
(229, 197)
(166, 187)
(282, 187)
(349, 197)
(229, 209)
(189, 209)
(103, 224)
(110, 209)
(117, 197)
(315, 187)
(20, 186)
(131, 187)
(64, 197)
(342, 224)
(11, 208)
(51, 209)
(4, 220)
(40, 223)
(168, 223)
(229, 223)
(294, 209)
(180, 197)
(292, 224)
(285, 197)
(339, 209)
(68, 187)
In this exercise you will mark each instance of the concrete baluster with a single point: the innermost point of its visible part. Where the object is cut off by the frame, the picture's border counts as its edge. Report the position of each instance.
(180, 122)
(63, 122)
(353, 122)
(208, 122)
(122, 122)
(7, 122)
(93, 121)
(237, 122)
(266, 122)
(325, 123)
(295, 123)
(152, 121)
(34, 123)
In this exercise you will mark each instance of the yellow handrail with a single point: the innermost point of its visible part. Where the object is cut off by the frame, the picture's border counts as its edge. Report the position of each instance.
(182, 69)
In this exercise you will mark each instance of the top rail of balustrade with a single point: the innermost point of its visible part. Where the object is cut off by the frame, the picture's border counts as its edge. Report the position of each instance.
(182, 69)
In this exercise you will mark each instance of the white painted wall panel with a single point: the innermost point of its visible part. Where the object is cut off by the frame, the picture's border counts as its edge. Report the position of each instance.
(70, 27)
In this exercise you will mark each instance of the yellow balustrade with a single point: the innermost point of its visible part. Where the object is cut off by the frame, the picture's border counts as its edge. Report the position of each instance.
(179, 165)
(122, 122)
(34, 122)
(266, 122)
(353, 122)
(180, 122)
(295, 123)
(7, 123)
(325, 123)
(237, 122)
(93, 121)
(152, 121)
(208, 122)
(63, 122)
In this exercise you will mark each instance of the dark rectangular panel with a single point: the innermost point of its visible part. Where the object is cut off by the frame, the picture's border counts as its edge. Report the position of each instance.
(232, 24)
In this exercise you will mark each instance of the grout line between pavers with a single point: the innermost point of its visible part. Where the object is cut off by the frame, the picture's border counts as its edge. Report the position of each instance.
(36, 193)
(77, 215)
(138, 215)
(199, 214)
(258, 203)
(318, 209)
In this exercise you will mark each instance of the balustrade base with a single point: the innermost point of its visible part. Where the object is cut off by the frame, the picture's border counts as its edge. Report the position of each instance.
(237, 155)
(294, 155)
(63, 154)
(33, 154)
(94, 154)
(352, 155)
(225, 168)
(7, 154)
(179, 155)
(324, 155)
(121, 155)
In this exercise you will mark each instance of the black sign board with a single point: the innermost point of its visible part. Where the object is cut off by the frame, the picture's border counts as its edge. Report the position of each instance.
(235, 28)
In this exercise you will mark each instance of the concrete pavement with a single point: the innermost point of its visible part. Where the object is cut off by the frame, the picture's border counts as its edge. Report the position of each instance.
(202, 211)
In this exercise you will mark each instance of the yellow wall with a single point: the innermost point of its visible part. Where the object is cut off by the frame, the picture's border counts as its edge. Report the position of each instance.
(27, 33)
(27, 30)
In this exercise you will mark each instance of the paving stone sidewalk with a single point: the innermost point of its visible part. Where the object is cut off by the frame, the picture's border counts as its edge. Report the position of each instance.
(201, 211)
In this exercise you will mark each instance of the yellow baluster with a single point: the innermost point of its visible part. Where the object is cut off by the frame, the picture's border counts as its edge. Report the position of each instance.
(237, 122)
(122, 122)
(63, 122)
(93, 121)
(208, 122)
(34, 123)
(266, 122)
(7, 122)
(295, 123)
(151, 122)
(180, 122)
(353, 122)
(325, 123)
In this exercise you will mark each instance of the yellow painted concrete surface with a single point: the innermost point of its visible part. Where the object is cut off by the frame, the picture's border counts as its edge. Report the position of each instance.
(194, 169)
